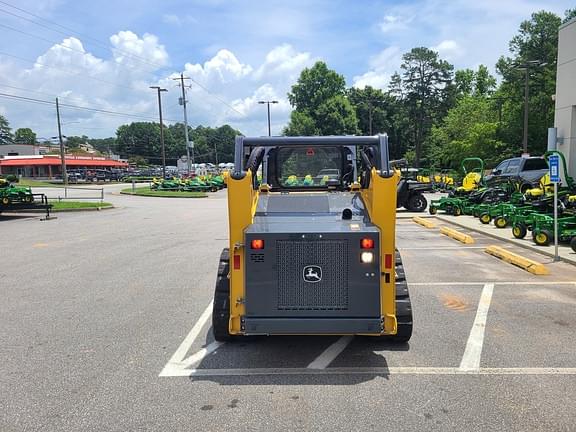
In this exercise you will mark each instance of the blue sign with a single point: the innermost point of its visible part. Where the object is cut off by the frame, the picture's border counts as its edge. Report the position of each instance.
(554, 167)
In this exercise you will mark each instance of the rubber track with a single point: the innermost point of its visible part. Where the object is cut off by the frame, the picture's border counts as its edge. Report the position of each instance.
(403, 304)
(221, 307)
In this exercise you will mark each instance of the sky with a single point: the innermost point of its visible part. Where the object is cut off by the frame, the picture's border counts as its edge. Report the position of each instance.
(106, 54)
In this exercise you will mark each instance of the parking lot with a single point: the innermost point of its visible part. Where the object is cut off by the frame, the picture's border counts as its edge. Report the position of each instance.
(105, 323)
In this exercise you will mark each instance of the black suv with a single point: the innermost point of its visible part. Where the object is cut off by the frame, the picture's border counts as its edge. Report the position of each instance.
(527, 171)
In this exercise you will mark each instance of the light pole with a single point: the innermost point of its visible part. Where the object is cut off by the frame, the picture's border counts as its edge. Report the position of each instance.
(526, 68)
(370, 104)
(268, 103)
(160, 90)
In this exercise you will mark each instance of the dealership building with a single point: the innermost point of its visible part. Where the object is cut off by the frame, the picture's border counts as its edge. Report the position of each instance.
(31, 161)
(565, 114)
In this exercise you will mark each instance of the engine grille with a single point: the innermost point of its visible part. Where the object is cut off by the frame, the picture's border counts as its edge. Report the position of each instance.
(294, 293)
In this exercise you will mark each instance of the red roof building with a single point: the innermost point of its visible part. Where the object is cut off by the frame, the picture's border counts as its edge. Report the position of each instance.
(50, 165)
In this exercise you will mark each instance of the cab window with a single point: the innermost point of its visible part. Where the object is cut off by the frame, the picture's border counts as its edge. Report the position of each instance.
(310, 167)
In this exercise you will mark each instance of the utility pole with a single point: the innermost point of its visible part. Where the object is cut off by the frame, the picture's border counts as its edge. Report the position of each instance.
(526, 68)
(268, 103)
(160, 90)
(183, 103)
(370, 118)
(62, 149)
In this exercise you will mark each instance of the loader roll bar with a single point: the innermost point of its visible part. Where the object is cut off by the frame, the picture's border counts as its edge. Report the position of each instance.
(379, 141)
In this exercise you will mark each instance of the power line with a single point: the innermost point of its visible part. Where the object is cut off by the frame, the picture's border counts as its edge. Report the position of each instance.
(81, 108)
(142, 59)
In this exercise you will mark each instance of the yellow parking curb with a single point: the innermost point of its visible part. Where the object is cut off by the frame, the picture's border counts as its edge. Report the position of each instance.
(457, 235)
(423, 222)
(529, 265)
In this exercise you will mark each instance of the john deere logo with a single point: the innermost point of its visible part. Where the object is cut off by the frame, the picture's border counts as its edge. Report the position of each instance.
(312, 274)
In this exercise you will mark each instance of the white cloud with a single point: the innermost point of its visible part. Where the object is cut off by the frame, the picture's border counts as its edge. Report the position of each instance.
(223, 68)
(178, 20)
(392, 23)
(283, 61)
(449, 49)
(129, 49)
(121, 83)
(382, 66)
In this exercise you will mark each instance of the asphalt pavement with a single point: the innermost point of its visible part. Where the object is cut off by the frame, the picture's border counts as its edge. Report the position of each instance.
(104, 322)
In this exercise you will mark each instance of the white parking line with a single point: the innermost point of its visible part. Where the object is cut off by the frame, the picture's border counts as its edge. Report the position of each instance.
(494, 282)
(442, 248)
(375, 371)
(330, 353)
(177, 361)
(471, 358)
(199, 356)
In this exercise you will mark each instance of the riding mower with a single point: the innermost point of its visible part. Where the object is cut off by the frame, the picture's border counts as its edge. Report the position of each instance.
(444, 182)
(543, 230)
(12, 194)
(460, 198)
(505, 197)
(196, 184)
(170, 185)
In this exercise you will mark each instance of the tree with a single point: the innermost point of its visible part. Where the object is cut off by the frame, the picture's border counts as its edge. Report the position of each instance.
(143, 139)
(570, 14)
(427, 91)
(468, 130)
(320, 104)
(74, 142)
(6, 136)
(479, 83)
(484, 82)
(385, 111)
(104, 145)
(214, 145)
(537, 40)
(301, 124)
(315, 86)
(24, 136)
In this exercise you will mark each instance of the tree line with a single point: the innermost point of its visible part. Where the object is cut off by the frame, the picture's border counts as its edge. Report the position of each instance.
(434, 115)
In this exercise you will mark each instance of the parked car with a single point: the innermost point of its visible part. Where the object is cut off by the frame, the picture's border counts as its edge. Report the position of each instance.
(526, 171)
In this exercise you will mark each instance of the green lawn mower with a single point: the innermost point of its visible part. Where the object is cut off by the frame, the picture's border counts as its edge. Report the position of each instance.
(458, 200)
(13, 194)
(543, 230)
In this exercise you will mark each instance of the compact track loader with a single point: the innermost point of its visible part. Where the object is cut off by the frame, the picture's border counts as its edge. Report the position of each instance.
(312, 250)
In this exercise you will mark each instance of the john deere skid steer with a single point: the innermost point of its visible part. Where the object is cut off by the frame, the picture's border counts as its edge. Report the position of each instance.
(312, 248)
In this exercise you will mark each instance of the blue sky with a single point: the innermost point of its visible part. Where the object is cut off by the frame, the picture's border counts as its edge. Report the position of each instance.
(242, 51)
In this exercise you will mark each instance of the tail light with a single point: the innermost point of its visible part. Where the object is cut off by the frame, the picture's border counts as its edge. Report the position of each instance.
(257, 244)
(367, 243)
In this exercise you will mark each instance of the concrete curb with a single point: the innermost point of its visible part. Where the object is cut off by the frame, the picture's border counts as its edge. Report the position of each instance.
(527, 264)
(507, 240)
(67, 210)
(457, 235)
(159, 196)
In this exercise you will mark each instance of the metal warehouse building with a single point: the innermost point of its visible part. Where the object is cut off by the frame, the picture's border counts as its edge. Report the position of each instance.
(565, 115)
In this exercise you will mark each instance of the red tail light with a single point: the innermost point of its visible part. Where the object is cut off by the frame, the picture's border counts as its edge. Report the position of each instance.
(257, 244)
(367, 243)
